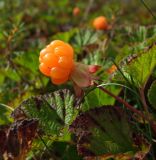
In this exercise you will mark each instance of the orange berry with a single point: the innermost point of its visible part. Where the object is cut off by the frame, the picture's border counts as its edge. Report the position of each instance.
(43, 53)
(59, 73)
(50, 60)
(100, 23)
(44, 69)
(57, 43)
(49, 48)
(59, 81)
(65, 62)
(53, 45)
(76, 11)
(40, 59)
(112, 69)
(56, 61)
(64, 51)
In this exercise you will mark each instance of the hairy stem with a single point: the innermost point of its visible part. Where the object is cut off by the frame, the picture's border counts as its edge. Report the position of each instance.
(142, 95)
(127, 105)
(122, 101)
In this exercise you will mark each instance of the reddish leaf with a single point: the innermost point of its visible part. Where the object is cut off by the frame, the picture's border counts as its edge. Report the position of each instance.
(16, 139)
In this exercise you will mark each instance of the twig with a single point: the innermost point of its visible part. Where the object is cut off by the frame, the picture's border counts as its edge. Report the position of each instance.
(142, 95)
(131, 108)
(149, 10)
(122, 101)
(90, 3)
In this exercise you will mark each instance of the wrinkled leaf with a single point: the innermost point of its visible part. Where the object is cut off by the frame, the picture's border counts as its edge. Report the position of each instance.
(139, 67)
(105, 131)
(101, 130)
(16, 139)
(53, 110)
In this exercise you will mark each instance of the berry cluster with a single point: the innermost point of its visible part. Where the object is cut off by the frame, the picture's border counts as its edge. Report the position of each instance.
(56, 61)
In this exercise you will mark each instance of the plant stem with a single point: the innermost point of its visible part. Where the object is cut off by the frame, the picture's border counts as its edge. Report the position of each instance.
(151, 121)
(131, 108)
(142, 95)
(149, 10)
(121, 101)
(90, 3)
(6, 106)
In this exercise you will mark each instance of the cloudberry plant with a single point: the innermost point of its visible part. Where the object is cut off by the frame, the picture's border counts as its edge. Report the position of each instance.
(100, 23)
(56, 61)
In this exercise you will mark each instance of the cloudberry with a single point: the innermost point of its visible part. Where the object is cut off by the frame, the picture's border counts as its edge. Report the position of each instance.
(56, 61)
(112, 69)
(76, 11)
(100, 23)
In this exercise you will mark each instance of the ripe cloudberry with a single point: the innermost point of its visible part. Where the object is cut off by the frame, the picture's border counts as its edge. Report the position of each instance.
(56, 61)
(76, 11)
(100, 23)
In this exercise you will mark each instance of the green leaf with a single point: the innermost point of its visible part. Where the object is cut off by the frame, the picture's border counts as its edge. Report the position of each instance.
(107, 131)
(54, 110)
(99, 98)
(5, 112)
(135, 48)
(12, 74)
(38, 147)
(64, 150)
(64, 36)
(140, 35)
(94, 58)
(28, 60)
(2, 77)
(139, 67)
(152, 94)
(103, 130)
(85, 37)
